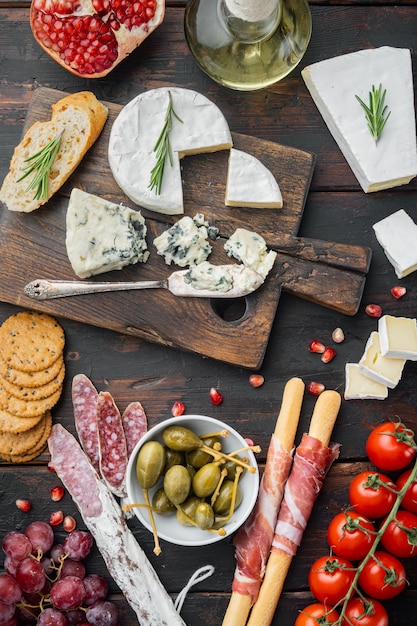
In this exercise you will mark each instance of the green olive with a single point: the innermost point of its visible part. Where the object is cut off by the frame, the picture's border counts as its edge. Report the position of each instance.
(173, 457)
(150, 463)
(160, 503)
(198, 458)
(224, 498)
(177, 484)
(206, 480)
(181, 439)
(204, 516)
(187, 510)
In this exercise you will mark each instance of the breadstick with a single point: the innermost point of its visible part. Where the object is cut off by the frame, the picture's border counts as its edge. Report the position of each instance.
(321, 426)
(285, 429)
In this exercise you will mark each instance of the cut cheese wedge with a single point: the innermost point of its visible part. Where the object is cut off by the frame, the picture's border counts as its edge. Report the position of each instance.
(201, 127)
(360, 387)
(333, 85)
(398, 337)
(250, 183)
(397, 234)
(382, 369)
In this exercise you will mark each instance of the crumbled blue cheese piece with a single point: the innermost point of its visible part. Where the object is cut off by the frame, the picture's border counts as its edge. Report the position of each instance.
(186, 242)
(398, 337)
(102, 236)
(250, 183)
(222, 278)
(250, 249)
(360, 387)
(397, 234)
(382, 369)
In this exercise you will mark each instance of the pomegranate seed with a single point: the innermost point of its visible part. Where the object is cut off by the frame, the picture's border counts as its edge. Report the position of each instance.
(50, 467)
(256, 380)
(178, 408)
(373, 310)
(69, 523)
(24, 505)
(56, 518)
(398, 291)
(249, 442)
(316, 346)
(315, 388)
(57, 493)
(338, 335)
(328, 355)
(215, 396)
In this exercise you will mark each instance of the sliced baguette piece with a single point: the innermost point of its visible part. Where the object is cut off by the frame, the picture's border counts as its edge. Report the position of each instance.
(80, 118)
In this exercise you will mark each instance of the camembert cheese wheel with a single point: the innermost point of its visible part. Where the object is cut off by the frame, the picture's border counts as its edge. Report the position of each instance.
(250, 183)
(201, 127)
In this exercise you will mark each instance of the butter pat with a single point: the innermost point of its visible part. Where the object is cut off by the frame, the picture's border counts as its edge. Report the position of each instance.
(333, 85)
(382, 369)
(250, 183)
(398, 337)
(397, 234)
(360, 387)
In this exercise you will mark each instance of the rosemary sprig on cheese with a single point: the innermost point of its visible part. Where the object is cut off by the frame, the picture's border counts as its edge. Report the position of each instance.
(41, 164)
(376, 113)
(163, 149)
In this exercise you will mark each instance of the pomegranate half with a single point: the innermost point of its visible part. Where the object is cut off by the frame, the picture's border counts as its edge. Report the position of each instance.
(90, 37)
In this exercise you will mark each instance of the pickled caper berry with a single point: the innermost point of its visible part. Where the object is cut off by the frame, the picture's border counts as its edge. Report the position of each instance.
(160, 503)
(150, 463)
(177, 484)
(224, 498)
(186, 511)
(173, 457)
(204, 516)
(206, 480)
(198, 458)
(181, 439)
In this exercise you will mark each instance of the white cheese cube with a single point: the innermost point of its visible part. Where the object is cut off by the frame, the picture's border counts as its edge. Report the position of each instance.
(398, 337)
(397, 234)
(380, 368)
(102, 236)
(333, 85)
(360, 387)
(250, 249)
(250, 183)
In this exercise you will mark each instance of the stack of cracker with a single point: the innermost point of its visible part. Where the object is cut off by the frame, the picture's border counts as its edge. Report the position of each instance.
(32, 373)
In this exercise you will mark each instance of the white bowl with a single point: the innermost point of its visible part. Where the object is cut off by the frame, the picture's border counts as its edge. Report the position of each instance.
(168, 527)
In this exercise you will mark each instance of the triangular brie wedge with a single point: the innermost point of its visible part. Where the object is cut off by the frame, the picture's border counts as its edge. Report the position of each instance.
(333, 85)
(250, 183)
(201, 128)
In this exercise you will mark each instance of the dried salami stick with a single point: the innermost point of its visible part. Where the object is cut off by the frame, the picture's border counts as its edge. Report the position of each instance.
(124, 558)
(253, 541)
(112, 442)
(84, 402)
(312, 460)
(135, 425)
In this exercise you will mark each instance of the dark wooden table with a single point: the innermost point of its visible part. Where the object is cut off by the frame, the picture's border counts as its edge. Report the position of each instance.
(132, 369)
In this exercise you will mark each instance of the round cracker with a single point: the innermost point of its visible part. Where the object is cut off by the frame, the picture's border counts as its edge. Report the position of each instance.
(31, 341)
(34, 393)
(29, 408)
(37, 449)
(12, 444)
(11, 424)
(31, 379)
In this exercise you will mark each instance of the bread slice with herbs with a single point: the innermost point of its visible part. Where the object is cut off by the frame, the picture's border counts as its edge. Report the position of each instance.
(76, 122)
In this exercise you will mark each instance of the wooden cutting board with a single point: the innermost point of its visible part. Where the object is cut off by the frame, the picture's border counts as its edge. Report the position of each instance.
(236, 332)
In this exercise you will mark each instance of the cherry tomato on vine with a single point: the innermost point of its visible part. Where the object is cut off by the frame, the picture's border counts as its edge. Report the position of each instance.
(383, 576)
(400, 536)
(391, 446)
(330, 578)
(369, 496)
(315, 614)
(350, 535)
(365, 612)
(409, 500)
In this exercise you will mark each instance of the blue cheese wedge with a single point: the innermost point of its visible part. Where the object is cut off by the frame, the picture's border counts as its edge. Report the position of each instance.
(249, 183)
(201, 127)
(250, 249)
(186, 242)
(102, 236)
(333, 85)
(397, 234)
(398, 337)
(360, 387)
(384, 370)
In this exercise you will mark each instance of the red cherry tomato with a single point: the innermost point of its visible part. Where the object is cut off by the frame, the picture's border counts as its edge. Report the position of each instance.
(391, 446)
(400, 536)
(383, 576)
(409, 500)
(350, 535)
(315, 614)
(369, 496)
(330, 578)
(365, 612)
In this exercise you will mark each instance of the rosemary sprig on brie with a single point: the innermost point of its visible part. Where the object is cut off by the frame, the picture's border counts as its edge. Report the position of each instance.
(41, 164)
(376, 113)
(163, 149)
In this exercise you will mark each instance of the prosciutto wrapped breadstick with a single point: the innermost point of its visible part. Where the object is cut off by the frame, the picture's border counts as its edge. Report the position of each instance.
(253, 541)
(312, 460)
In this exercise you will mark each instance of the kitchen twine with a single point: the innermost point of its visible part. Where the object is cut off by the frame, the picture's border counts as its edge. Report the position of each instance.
(201, 574)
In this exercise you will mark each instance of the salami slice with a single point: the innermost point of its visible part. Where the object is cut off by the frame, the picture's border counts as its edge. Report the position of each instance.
(124, 558)
(112, 444)
(84, 401)
(135, 425)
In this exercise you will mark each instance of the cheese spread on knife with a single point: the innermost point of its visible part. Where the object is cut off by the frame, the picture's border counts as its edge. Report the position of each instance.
(197, 126)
